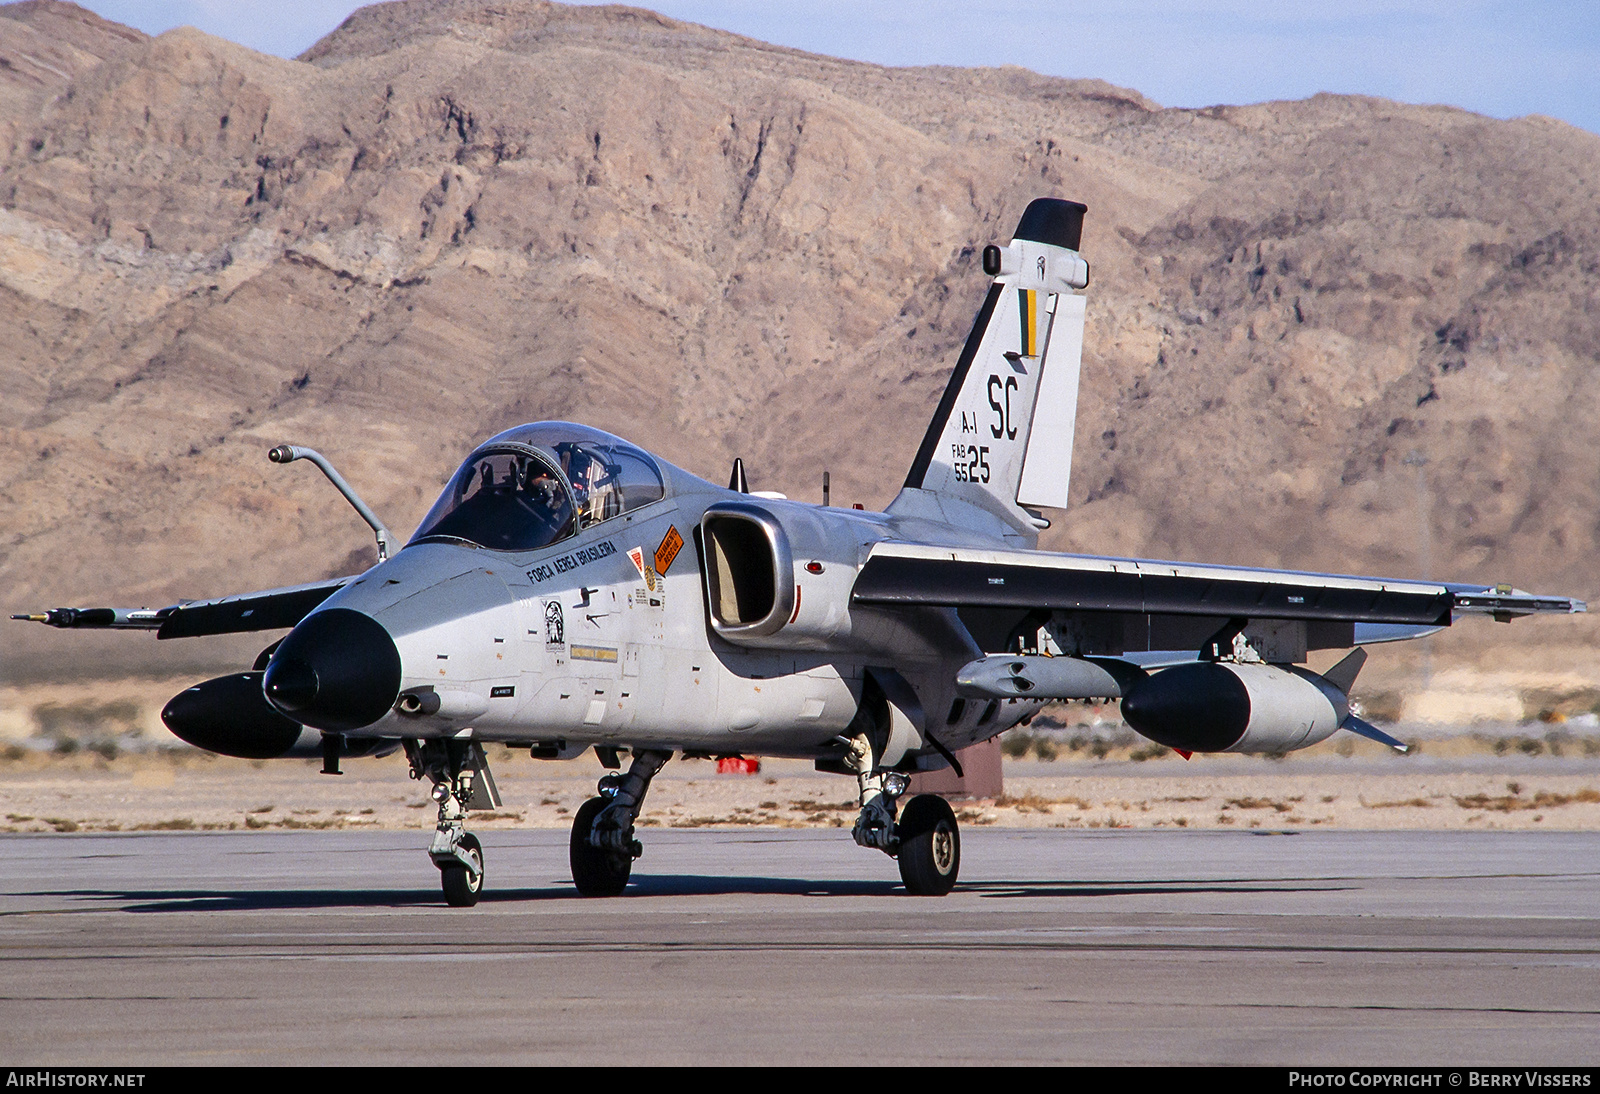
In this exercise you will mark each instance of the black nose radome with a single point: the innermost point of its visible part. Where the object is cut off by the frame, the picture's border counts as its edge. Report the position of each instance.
(338, 670)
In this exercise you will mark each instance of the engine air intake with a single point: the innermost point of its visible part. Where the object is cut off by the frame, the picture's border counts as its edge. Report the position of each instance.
(749, 572)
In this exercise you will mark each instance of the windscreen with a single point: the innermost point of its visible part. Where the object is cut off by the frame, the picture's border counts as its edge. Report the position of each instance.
(505, 500)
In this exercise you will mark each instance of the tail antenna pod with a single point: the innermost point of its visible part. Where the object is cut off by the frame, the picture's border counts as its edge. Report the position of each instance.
(288, 453)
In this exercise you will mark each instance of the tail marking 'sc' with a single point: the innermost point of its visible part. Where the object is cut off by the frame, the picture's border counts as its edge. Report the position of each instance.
(1001, 438)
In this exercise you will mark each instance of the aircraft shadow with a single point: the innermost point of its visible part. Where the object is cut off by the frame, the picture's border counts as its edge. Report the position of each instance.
(255, 900)
(246, 900)
(713, 885)
(1035, 888)
(651, 887)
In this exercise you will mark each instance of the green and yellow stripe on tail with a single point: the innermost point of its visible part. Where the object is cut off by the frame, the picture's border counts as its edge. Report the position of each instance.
(1028, 309)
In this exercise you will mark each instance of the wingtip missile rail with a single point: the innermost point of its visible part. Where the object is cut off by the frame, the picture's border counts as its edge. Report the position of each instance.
(126, 619)
(1505, 603)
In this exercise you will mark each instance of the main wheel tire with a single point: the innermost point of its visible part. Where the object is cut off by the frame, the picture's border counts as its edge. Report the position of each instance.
(930, 846)
(461, 885)
(596, 871)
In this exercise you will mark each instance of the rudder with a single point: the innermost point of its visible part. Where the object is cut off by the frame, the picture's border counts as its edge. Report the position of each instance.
(1001, 439)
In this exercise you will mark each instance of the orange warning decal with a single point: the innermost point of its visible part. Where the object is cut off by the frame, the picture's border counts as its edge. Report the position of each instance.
(671, 544)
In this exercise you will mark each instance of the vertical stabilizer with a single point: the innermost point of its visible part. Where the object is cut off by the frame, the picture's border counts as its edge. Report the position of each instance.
(1001, 439)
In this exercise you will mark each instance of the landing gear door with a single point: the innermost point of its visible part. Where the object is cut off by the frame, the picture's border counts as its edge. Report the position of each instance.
(906, 717)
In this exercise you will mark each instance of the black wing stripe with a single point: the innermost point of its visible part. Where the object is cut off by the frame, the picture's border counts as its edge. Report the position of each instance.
(268, 611)
(891, 580)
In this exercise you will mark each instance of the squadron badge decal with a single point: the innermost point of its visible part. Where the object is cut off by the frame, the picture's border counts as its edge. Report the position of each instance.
(555, 625)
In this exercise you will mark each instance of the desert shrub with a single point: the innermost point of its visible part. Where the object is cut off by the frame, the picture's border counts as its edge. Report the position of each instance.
(87, 718)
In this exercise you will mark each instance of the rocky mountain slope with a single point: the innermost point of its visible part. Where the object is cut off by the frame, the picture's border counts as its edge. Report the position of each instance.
(1341, 333)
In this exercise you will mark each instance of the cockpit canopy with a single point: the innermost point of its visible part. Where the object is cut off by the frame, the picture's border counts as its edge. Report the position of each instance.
(536, 484)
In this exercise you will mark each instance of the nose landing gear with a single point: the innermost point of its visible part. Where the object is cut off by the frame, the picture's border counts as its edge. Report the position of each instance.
(461, 781)
(462, 878)
(603, 847)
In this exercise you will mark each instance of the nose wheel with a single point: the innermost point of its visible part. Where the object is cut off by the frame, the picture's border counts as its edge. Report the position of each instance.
(460, 775)
(462, 883)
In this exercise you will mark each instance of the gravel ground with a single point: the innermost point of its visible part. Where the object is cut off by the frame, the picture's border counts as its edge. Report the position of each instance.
(44, 792)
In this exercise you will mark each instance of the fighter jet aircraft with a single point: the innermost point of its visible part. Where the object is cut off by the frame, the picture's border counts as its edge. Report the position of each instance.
(570, 591)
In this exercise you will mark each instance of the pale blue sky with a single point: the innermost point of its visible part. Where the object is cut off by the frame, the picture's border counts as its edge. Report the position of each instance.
(1497, 57)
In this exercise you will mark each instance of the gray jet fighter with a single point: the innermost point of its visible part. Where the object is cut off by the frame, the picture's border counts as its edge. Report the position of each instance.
(570, 591)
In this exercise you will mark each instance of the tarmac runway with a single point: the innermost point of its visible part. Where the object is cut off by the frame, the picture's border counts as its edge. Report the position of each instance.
(774, 946)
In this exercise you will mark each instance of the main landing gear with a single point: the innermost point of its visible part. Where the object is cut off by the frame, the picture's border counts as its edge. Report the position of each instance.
(930, 846)
(603, 847)
(461, 781)
(925, 840)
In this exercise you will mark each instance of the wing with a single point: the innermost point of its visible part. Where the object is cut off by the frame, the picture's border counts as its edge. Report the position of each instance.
(271, 609)
(906, 574)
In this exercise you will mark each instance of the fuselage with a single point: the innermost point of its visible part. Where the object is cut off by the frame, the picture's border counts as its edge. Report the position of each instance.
(603, 637)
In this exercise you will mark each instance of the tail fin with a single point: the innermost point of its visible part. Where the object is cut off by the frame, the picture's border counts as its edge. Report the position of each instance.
(1002, 436)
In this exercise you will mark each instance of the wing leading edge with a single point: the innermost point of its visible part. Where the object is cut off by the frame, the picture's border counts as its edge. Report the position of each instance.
(911, 574)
